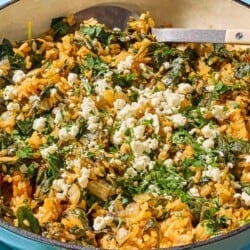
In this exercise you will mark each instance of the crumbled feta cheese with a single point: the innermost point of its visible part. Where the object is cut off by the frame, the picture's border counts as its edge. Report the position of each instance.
(230, 165)
(185, 88)
(58, 115)
(237, 195)
(13, 107)
(213, 173)
(100, 222)
(39, 123)
(72, 77)
(70, 164)
(210, 88)
(209, 132)
(246, 198)
(219, 112)
(174, 99)
(119, 104)
(88, 108)
(208, 144)
(139, 132)
(155, 121)
(194, 192)
(84, 178)
(100, 86)
(247, 157)
(131, 172)
(61, 188)
(49, 150)
(152, 143)
(9, 92)
(126, 64)
(93, 124)
(140, 148)
(18, 76)
(141, 163)
(166, 65)
(66, 134)
(167, 129)
(178, 120)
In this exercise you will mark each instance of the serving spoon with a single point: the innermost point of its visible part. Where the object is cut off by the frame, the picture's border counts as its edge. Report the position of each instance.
(117, 17)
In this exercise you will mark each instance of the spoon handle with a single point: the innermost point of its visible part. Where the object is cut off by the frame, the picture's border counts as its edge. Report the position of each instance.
(236, 36)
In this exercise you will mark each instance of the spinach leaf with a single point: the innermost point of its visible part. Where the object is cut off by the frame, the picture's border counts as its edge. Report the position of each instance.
(124, 81)
(6, 49)
(60, 27)
(98, 32)
(27, 220)
(5, 140)
(55, 162)
(26, 126)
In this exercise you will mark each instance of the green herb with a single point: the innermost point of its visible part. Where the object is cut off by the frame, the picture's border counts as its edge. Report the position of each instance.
(181, 136)
(5, 140)
(31, 170)
(60, 27)
(124, 81)
(82, 128)
(133, 97)
(89, 89)
(27, 220)
(25, 126)
(24, 152)
(98, 32)
(6, 49)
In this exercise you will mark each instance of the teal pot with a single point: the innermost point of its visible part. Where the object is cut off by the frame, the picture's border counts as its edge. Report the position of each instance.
(19, 239)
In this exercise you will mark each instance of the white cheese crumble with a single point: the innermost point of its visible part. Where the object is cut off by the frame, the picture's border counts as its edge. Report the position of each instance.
(9, 92)
(39, 124)
(13, 107)
(88, 108)
(18, 76)
(219, 112)
(100, 222)
(141, 163)
(139, 131)
(49, 150)
(140, 148)
(66, 134)
(72, 77)
(213, 173)
(174, 99)
(194, 192)
(84, 177)
(125, 64)
(209, 132)
(119, 104)
(247, 157)
(61, 188)
(155, 121)
(100, 86)
(178, 120)
(246, 198)
(58, 115)
(208, 144)
(185, 88)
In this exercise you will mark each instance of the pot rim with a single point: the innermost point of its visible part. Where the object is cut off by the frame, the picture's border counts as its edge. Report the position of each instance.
(40, 239)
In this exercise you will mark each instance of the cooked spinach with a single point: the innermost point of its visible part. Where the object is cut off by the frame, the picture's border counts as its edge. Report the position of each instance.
(60, 27)
(27, 220)
(124, 81)
(25, 127)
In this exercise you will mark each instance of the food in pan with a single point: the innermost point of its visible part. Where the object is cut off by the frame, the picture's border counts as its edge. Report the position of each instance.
(111, 139)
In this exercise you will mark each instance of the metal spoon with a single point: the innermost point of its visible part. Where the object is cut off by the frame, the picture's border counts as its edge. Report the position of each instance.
(116, 16)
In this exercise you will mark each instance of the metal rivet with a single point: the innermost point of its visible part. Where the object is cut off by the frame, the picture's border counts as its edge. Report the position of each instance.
(239, 35)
